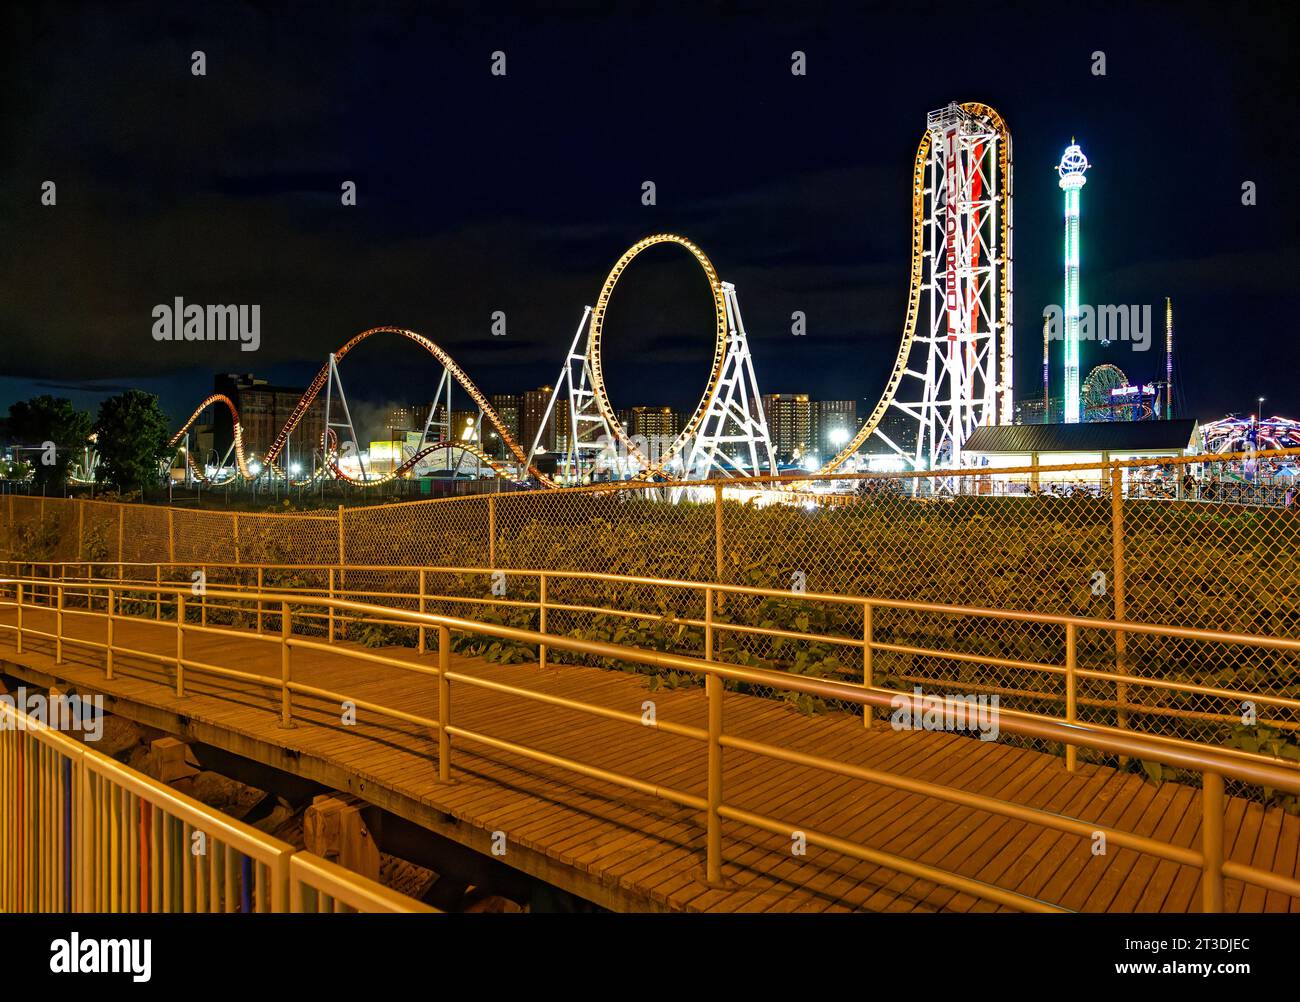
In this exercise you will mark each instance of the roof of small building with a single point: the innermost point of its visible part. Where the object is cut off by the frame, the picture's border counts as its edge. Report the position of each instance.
(1093, 436)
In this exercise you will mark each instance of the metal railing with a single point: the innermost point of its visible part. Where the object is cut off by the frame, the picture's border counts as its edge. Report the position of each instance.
(1105, 688)
(80, 832)
(1212, 765)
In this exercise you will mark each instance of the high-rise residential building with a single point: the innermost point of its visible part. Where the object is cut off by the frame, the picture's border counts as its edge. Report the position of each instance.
(263, 410)
(834, 423)
(534, 410)
(402, 418)
(562, 419)
(663, 423)
(509, 408)
(789, 423)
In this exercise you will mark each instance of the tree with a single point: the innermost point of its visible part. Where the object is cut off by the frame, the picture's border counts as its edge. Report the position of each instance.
(131, 436)
(54, 431)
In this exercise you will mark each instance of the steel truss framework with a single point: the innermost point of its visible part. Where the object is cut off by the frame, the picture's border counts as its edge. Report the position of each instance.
(956, 374)
(732, 438)
(947, 379)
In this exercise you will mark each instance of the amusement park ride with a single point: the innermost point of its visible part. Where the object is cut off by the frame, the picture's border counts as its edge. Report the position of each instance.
(949, 377)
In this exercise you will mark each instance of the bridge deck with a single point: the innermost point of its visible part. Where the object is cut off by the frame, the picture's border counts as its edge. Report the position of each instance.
(629, 851)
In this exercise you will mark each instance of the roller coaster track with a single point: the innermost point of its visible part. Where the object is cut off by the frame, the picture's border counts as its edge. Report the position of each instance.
(651, 470)
(596, 330)
(917, 278)
(410, 464)
(195, 469)
(457, 373)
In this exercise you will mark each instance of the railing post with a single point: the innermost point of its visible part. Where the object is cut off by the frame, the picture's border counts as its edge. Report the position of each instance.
(58, 625)
(444, 704)
(868, 668)
(1071, 690)
(203, 599)
(20, 616)
(1117, 587)
(108, 646)
(259, 598)
(180, 644)
(157, 605)
(713, 858)
(420, 646)
(1212, 842)
(286, 630)
(541, 619)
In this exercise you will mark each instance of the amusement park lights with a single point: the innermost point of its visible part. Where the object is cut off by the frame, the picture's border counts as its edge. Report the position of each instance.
(1071, 169)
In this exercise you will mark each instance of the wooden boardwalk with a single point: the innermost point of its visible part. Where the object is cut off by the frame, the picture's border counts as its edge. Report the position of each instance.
(629, 851)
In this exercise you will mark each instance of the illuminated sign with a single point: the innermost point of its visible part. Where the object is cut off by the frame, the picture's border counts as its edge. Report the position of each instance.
(1146, 389)
(950, 229)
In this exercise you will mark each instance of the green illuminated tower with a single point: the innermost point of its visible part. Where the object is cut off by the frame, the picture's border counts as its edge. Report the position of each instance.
(1071, 169)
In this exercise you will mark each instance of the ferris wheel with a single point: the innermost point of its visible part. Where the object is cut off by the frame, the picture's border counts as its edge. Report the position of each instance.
(1097, 400)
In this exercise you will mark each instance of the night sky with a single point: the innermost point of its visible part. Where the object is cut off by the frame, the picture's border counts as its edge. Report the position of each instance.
(479, 193)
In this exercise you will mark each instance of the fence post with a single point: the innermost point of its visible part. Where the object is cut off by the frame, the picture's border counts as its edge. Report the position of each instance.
(259, 598)
(1117, 587)
(20, 618)
(492, 530)
(157, 603)
(1212, 842)
(868, 668)
(286, 630)
(713, 858)
(444, 705)
(342, 550)
(717, 532)
(108, 647)
(121, 534)
(1071, 692)
(180, 644)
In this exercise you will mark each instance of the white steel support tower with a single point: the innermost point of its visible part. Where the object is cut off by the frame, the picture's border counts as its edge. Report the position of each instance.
(590, 448)
(960, 382)
(733, 439)
(439, 426)
(957, 373)
(350, 443)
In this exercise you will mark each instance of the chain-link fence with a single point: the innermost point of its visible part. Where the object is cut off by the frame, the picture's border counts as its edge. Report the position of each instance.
(1139, 542)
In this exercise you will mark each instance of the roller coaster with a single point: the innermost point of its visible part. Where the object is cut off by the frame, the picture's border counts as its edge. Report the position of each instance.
(946, 379)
